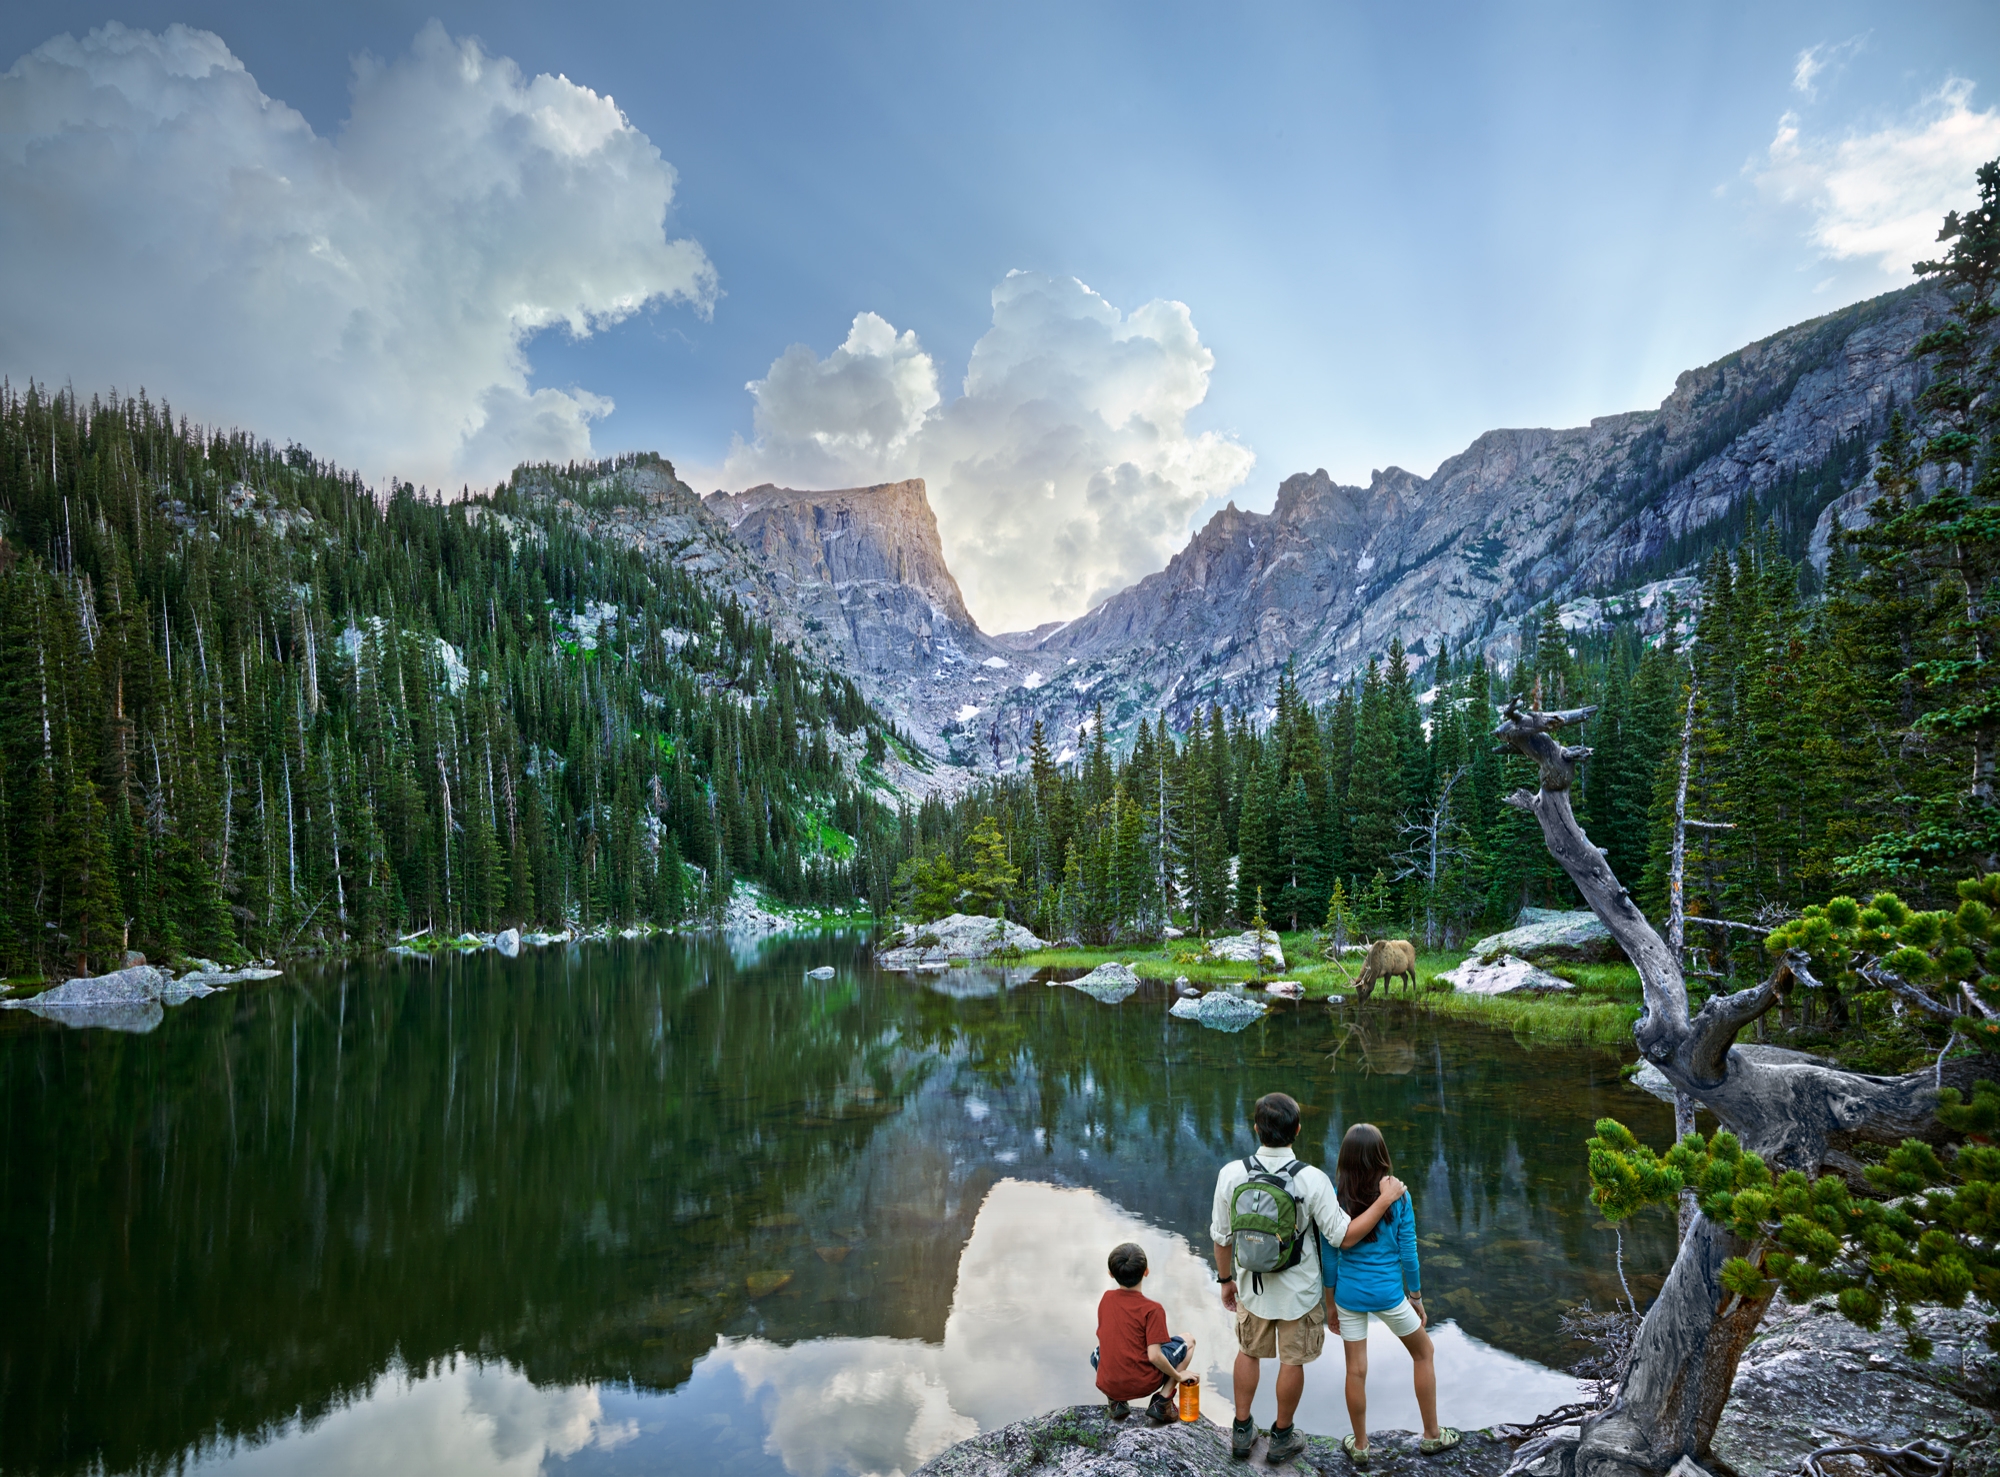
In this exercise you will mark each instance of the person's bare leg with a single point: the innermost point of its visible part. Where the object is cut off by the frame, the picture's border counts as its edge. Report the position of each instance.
(1291, 1385)
(1424, 1368)
(1246, 1385)
(1357, 1388)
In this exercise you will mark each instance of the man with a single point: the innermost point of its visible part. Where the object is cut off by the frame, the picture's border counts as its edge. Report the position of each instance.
(1280, 1314)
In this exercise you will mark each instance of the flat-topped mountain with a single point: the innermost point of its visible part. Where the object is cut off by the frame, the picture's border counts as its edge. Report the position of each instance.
(1324, 580)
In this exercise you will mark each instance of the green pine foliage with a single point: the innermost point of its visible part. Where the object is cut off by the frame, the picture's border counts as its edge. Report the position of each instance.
(248, 707)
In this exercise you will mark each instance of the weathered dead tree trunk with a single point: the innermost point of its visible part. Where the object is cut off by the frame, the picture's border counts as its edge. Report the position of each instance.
(1794, 1115)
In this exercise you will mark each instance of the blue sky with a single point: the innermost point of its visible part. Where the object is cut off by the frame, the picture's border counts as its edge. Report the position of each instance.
(1392, 226)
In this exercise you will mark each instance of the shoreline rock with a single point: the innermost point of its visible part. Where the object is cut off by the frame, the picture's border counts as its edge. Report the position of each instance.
(1506, 975)
(1082, 1441)
(936, 944)
(1542, 934)
(1246, 948)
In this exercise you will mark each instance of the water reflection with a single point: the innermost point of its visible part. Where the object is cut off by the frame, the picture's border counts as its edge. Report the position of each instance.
(683, 1186)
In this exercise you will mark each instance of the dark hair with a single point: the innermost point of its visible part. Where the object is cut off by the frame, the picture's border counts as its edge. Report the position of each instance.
(1127, 1263)
(1357, 1176)
(1276, 1119)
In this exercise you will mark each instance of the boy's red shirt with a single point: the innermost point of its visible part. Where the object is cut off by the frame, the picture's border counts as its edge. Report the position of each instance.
(1127, 1321)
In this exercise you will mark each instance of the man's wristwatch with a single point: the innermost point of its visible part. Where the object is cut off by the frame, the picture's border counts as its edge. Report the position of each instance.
(1225, 1276)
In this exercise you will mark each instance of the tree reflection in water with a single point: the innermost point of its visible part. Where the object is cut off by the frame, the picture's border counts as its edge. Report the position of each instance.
(589, 1166)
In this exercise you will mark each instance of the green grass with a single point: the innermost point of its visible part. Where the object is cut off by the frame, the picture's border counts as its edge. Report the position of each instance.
(1605, 1004)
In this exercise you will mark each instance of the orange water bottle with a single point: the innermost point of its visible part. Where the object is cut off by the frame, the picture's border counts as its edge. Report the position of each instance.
(1190, 1400)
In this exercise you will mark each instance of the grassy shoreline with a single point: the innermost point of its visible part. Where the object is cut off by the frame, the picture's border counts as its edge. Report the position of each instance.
(1601, 1010)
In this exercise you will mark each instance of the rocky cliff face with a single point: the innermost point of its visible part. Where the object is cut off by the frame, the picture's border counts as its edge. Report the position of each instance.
(1520, 517)
(1597, 517)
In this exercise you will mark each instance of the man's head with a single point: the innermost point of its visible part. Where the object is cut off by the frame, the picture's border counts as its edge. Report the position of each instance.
(1128, 1263)
(1276, 1119)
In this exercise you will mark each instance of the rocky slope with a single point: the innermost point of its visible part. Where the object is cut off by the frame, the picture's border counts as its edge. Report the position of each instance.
(862, 569)
(1518, 518)
(1600, 518)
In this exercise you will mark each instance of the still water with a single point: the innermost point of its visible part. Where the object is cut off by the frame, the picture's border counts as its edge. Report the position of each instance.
(676, 1207)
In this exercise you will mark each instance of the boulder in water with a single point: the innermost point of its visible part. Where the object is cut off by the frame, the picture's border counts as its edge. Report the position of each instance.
(1286, 989)
(1245, 948)
(1219, 1010)
(824, 972)
(961, 936)
(1504, 976)
(1554, 934)
(508, 942)
(1110, 983)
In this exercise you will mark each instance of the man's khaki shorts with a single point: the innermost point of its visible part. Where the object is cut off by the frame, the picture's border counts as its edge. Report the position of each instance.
(1287, 1340)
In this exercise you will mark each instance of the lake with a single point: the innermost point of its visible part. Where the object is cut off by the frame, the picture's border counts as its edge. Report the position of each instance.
(671, 1205)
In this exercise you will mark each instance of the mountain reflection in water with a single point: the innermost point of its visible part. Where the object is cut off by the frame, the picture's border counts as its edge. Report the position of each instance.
(656, 1207)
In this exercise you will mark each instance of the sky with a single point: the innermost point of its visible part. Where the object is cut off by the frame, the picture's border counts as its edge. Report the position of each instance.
(1090, 270)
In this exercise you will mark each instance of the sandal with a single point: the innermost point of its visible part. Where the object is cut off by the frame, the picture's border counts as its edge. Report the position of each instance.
(1358, 1455)
(1445, 1440)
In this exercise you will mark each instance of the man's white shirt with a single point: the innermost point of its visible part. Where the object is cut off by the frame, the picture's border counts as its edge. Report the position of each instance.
(1291, 1293)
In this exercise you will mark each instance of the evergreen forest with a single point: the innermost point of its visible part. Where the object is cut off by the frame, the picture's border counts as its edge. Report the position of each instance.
(248, 707)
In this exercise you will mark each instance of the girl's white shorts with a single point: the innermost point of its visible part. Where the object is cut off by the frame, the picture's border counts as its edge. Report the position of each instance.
(1402, 1320)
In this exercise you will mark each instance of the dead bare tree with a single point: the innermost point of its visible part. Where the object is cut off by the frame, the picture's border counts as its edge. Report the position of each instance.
(1794, 1115)
(1432, 849)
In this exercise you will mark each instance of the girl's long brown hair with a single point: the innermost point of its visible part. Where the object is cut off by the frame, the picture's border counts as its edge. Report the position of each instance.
(1357, 1175)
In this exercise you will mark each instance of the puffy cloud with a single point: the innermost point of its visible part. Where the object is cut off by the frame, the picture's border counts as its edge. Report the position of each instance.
(369, 294)
(1882, 194)
(1063, 472)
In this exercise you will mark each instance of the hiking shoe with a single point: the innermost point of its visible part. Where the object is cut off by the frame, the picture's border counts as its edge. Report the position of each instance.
(1285, 1445)
(1445, 1440)
(1160, 1410)
(1242, 1436)
(1118, 1410)
(1357, 1454)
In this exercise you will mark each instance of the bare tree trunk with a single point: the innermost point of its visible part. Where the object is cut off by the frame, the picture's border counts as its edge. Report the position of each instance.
(1794, 1115)
(1677, 868)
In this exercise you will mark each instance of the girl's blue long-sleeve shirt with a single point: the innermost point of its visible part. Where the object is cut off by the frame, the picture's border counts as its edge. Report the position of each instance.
(1376, 1275)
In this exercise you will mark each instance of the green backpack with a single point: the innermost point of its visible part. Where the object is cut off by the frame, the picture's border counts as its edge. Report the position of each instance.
(1265, 1230)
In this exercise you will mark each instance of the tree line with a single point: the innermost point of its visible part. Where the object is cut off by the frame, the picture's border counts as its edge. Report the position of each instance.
(248, 706)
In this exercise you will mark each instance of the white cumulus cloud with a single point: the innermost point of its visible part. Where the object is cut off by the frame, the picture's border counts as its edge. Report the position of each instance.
(369, 294)
(1063, 472)
(1881, 195)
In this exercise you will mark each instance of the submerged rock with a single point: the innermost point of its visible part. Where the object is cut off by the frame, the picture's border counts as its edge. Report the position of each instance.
(1110, 983)
(824, 972)
(1542, 934)
(508, 942)
(1244, 948)
(1082, 1441)
(1286, 989)
(1219, 1010)
(120, 987)
(1504, 976)
(1809, 1374)
(961, 936)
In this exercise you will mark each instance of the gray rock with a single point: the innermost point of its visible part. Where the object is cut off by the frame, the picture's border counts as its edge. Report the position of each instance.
(1110, 983)
(508, 942)
(1244, 948)
(1650, 1078)
(1183, 989)
(1286, 989)
(1219, 1010)
(1504, 976)
(216, 979)
(1171, 932)
(824, 972)
(961, 936)
(1082, 1441)
(1810, 1377)
(1543, 934)
(121, 987)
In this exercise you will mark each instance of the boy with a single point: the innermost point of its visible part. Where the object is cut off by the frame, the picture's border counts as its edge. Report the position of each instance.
(1135, 1356)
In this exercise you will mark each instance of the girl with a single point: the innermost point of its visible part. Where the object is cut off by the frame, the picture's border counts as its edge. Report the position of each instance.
(1378, 1276)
